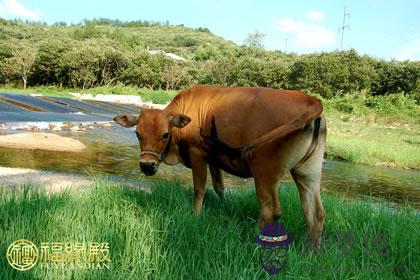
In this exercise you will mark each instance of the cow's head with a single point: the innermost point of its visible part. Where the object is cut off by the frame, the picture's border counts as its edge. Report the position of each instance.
(154, 130)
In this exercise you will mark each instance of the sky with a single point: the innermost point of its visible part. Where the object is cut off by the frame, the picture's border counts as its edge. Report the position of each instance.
(387, 29)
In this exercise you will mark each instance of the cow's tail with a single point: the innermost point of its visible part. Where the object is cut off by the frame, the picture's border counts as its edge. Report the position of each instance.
(279, 133)
(319, 127)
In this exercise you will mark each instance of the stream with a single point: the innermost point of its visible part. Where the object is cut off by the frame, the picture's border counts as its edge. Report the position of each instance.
(113, 151)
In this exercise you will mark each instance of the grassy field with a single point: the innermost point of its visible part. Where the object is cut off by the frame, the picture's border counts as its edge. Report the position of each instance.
(381, 143)
(156, 235)
(384, 134)
(374, 130)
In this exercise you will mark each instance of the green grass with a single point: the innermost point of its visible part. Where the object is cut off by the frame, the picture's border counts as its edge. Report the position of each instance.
(45, 90)
(156, 235)
(380, 143)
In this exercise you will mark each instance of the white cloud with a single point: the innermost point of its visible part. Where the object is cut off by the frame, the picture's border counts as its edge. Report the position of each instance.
(316, 15)
(409, 52)
(13, 8)
(304, 35)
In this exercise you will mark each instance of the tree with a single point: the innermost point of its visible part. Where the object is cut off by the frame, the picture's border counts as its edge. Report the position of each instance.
(255, 40)
(19, 65)
(50, 67)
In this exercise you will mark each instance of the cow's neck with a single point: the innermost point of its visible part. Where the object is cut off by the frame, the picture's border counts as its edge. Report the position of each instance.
(174, 155)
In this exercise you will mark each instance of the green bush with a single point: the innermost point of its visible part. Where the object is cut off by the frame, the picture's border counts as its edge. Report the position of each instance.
(395, 77)
(363, 103)
(331, 74)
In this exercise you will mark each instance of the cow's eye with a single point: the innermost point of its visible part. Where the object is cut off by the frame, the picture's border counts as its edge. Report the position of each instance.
(165, 135)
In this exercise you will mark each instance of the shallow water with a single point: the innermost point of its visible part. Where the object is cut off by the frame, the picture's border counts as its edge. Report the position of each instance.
(115, 152)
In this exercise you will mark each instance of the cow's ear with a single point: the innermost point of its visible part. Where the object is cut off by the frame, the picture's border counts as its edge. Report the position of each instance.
(126, 120)
(180, 120)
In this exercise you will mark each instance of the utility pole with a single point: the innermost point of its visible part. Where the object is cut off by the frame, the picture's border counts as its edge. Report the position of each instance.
(345, 26)
(285, 45)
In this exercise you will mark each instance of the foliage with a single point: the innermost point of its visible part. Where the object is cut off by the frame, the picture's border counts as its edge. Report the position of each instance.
(331, 74)
(361, 103)
(397, 77)
(19, 65)
(255, 40)
(103, 52)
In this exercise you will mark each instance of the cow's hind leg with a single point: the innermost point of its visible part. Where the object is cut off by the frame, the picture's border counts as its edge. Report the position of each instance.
(217, 180)
(307, 178)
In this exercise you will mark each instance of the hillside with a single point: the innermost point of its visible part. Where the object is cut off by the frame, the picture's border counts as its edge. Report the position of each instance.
(107, 52)
(132, 36)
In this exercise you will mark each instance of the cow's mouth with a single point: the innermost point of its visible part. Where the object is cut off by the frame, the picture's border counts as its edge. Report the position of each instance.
(148, 168)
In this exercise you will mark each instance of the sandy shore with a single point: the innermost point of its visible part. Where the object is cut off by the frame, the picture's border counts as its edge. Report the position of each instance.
(52, 181)
(42, 141)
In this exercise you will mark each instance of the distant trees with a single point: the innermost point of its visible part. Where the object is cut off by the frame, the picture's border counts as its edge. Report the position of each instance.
(51, 66)
(107, 52)
(330, 74)
(396, 77)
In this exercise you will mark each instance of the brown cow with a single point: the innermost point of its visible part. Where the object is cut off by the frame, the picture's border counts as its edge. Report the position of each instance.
(248, 132)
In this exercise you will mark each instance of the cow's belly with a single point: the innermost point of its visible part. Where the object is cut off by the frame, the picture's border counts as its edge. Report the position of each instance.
(235, 166)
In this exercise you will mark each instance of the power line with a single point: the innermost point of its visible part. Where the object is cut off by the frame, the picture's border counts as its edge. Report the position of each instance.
(345, 26)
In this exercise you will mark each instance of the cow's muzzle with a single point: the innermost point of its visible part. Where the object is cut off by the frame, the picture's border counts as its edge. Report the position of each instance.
(148, 167)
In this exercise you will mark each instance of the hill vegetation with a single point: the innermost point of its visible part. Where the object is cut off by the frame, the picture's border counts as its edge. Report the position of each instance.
(105, 52)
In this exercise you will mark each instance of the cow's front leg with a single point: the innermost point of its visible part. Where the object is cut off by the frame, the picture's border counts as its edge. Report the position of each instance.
(266, 200)
(217, 180)
(199, 170)
(267, 176)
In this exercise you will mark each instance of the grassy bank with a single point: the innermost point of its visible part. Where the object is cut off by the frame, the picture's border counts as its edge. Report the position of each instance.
(156, 236)
(377, 131)
(374, 130)
(356, 139)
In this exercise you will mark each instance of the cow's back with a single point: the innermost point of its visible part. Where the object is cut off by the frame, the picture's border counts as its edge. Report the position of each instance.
(241, 114)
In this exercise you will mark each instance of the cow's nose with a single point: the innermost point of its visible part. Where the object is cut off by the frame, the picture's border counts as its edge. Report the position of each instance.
(148, 167)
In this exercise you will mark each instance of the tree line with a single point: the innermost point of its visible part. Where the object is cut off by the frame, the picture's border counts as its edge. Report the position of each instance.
(108, 52)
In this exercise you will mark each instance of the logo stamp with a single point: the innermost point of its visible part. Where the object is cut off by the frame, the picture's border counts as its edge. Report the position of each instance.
(22, 255)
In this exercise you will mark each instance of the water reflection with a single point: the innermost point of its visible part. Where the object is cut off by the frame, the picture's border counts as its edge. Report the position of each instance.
(115, 152)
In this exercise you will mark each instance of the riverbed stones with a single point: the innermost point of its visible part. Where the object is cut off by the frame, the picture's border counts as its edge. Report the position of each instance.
(106, 125)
